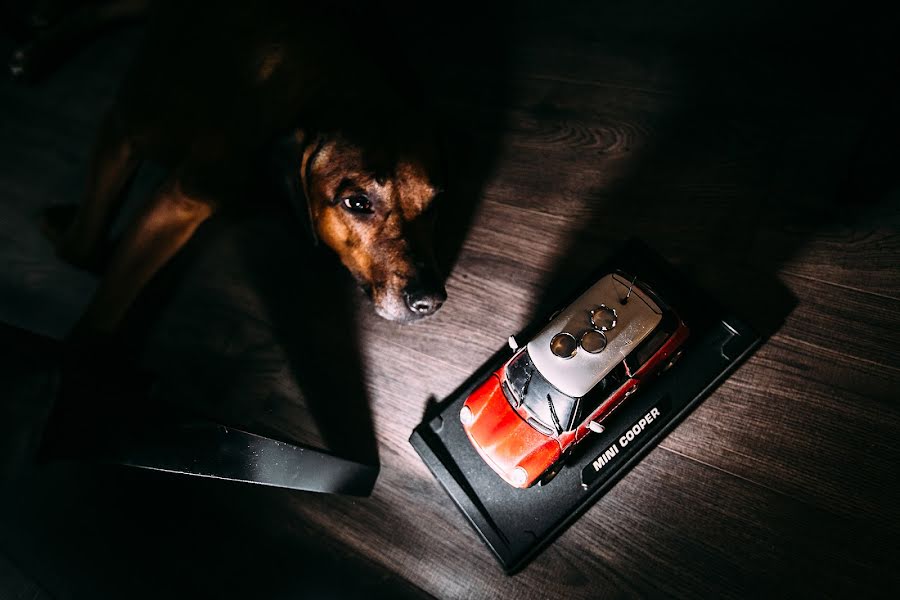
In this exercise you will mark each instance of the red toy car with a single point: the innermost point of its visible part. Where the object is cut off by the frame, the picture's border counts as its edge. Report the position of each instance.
(570, 377)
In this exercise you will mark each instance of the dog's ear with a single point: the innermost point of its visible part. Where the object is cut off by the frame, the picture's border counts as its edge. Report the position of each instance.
(291, 160)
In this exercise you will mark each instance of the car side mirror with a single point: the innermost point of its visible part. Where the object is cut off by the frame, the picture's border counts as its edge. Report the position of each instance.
(513, 343)
(596, 427)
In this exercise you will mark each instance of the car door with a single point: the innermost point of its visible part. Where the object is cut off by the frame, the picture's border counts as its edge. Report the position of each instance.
(601, 400)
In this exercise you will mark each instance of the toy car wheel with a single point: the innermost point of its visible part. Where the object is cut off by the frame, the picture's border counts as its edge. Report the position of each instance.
(672, 361)
(554, 471)
(549, 475)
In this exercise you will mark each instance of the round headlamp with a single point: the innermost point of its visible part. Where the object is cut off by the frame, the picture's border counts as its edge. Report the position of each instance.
(519, 476)
(466, 416)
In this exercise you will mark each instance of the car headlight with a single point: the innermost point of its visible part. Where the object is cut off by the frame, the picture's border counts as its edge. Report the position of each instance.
(466, 416)
(519, 476)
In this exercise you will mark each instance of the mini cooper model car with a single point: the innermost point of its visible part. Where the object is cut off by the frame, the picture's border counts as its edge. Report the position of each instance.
(553, 392)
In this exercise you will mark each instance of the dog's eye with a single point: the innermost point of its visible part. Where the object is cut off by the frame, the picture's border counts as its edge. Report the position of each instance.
(358, 203)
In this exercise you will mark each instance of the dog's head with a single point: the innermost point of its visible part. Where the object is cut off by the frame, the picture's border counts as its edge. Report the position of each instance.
(372, 202)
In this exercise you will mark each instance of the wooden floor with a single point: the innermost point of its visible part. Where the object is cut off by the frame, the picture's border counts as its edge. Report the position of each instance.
(754, 146)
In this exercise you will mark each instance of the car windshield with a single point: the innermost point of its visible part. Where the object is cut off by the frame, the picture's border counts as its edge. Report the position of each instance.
(525, 386)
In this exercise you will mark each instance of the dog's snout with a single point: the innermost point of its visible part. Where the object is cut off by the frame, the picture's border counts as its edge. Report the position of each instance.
(423, 301)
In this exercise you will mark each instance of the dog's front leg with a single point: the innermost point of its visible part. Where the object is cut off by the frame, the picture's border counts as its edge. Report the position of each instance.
(158, 233)
(112, 166)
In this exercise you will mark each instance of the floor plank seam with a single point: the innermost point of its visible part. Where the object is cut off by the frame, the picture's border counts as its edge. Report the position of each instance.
(830, 351)
(840, 285)
(602, 84)
(740, 477)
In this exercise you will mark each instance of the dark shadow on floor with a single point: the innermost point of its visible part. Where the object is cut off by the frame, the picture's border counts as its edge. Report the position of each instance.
(724, 156)
(86, 530)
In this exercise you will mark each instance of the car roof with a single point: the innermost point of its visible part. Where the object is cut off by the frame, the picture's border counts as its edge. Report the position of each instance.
(636, 319)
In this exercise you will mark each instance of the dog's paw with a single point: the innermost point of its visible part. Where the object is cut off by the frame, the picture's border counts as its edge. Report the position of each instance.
(20, 65)
(31, 61)
(56, 224)
(56, 220)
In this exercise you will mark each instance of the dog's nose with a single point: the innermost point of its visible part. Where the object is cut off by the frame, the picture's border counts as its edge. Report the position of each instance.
(424, 302)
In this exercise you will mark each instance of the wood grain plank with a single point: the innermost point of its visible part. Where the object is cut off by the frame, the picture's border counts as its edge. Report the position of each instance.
(845, 322)
(860, 257)
(813, 413)
(781, 427)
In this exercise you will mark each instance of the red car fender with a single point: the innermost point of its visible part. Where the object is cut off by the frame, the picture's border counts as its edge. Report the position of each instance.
(537, 463)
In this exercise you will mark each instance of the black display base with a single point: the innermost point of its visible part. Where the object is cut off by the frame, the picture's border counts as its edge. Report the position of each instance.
(201, 448)
(516, 524)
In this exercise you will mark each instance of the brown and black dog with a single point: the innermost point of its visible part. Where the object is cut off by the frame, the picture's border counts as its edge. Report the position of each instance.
(218, 83)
